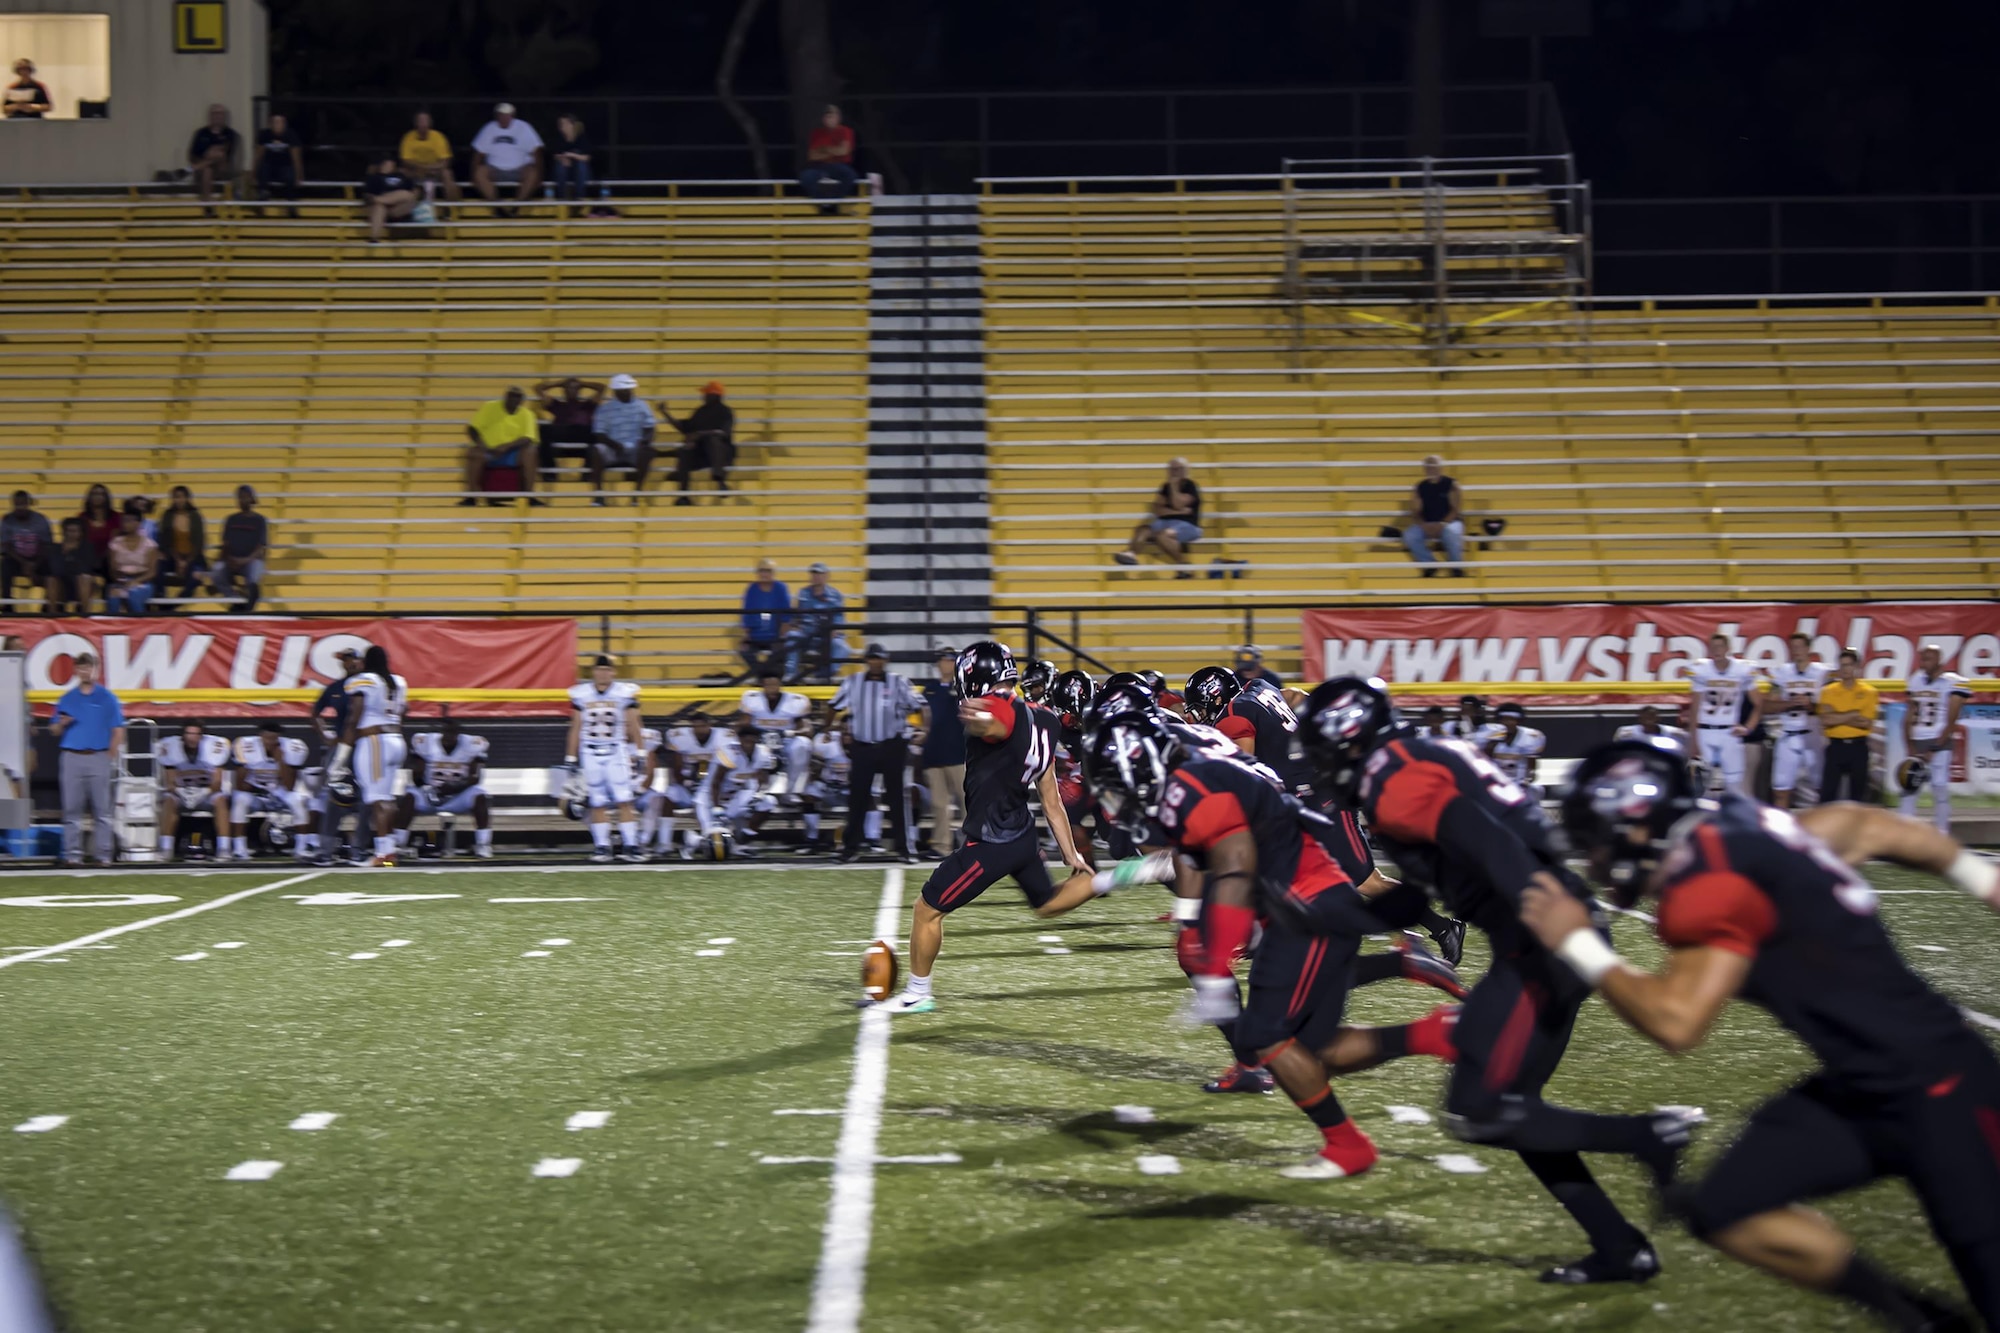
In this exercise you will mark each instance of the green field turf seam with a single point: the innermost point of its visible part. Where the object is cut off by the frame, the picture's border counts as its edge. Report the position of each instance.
(130, 926)
(841, 1279)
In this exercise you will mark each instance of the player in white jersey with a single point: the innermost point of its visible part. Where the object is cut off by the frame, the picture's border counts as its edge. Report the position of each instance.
(446, 768)
(733, 799)
(1514, 748)
(372, 748)
(267, 780)
(1795, 687)
(604, 727)
(826, 790)
(1719, 684)
(1930, 724)
(685, 756)
(781, 717)
(1649, 726)
(189, 770)
(1470, 721)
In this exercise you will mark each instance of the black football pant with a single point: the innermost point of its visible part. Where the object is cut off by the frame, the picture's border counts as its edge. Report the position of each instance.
(978, 866)
(884, 759)
(1511, 1034)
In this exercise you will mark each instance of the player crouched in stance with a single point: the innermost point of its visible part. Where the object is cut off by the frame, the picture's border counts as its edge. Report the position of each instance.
(371, 749)
(604, 727)
(1754, 903)
(267, 779)
(1007, 755)
(1458, 828)
(1249, 854)
(445, 771)
(189, 768)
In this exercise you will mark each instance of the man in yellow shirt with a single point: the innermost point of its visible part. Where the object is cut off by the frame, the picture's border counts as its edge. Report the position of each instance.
(503, 434)
(1848, 706)
(426, 155)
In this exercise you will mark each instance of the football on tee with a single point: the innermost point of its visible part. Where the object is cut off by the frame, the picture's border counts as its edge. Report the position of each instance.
(879, 971)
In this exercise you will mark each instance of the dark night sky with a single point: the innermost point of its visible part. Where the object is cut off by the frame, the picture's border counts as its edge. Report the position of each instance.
(1674, 97)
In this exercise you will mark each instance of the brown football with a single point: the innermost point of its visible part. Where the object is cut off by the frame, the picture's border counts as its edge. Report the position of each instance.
(879, 971)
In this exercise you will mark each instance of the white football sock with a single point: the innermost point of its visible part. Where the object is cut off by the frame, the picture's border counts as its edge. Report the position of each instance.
(167, 842)
(871, 826)
(482, 837)
(402, 836)
(628, 834)
(385, 846)
(600, 837)
(811, 820)
(920, 985)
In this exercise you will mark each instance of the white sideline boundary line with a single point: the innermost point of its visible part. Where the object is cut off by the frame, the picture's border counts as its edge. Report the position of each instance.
(850, 1211)
(197, 909)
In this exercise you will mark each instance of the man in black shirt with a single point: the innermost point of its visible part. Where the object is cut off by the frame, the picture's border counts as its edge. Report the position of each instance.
(389, 196)
(280, 162)
(708, 437)
(1436, 514)
(1008, 755)
(214, 151)
(1176, 521)
(333, 699)
(240, 557)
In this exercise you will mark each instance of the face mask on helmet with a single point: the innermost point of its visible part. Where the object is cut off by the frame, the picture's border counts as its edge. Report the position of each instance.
(1620, 812)
(1126, 764)
(1209, 692)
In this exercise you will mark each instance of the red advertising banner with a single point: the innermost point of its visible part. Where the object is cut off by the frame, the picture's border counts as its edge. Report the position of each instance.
(1616, 645)
(238, 653)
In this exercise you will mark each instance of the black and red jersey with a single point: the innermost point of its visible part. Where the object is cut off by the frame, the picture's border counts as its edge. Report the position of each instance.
(1459, 829)
(1207, 800)
(1263, 718)
(1750, 880)
(1001, 772)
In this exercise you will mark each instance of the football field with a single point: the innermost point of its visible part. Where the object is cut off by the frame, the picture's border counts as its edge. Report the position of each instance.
(634, 1099)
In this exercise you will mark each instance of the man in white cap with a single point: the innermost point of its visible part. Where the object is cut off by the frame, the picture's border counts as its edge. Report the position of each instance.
(506, 151)
(621, 433)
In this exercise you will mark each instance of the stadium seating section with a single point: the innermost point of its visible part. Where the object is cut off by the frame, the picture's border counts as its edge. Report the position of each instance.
(150, 344)
(1691, 450)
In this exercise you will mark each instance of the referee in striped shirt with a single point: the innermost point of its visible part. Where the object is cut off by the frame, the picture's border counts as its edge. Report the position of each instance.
(877, 704)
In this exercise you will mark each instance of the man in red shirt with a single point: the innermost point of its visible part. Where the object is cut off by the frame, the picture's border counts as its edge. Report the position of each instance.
(829, 172)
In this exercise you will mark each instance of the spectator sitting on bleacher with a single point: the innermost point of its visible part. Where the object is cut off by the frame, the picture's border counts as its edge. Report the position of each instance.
(708, 440)
(183, 544)
(1436, 514)
(388, 196)
(279, 163)
(813, 644)
(214, 151)
(506, 151)
(100, 520)
(142, 505)
(571, 156)
(426, 156)
(27, 98)
(767, 606)
(1176, 521)
(567, 432)
(25, 543)
(621, 433)
(75, 568)
(130, 565)
(239, 556)
(829, 173)
(503, 433)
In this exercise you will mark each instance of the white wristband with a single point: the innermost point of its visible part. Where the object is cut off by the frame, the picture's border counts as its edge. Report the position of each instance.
(1187, 911)
(1588, 955)
(1975, 874)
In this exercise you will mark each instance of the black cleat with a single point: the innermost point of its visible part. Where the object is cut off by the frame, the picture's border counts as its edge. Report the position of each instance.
(1451, 941)
(1242, 1078)
(1642, 1265)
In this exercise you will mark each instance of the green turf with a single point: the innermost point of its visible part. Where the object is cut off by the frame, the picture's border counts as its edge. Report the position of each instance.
(453, 1063)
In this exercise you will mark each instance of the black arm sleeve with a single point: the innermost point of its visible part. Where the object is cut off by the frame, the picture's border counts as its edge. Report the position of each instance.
(1478, 842)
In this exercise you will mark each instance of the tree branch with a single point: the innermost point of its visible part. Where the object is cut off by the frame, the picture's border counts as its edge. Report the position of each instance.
(725, 75)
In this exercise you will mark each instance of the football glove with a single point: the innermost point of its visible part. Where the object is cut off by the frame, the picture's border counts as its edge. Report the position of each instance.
(1212, 1003)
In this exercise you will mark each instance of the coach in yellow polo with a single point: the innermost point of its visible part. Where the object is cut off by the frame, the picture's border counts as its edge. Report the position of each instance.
(503, 433)
(1848, 706)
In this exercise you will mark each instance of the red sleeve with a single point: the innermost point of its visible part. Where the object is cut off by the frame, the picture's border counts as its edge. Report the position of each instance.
(1413, 799)
(1002, 708)
(1717, 909)
(1237, 727)
(1217, 815)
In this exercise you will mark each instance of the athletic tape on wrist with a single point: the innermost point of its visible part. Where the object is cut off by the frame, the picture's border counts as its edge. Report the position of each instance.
(1187, 910)
(1975, 874)
(1588, 955)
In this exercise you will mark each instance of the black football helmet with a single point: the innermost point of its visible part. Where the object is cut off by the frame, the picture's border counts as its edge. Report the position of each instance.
(1126, 762)
(1071, 695)
(1345, 720)
(1118, 695)
(1208, 692)
(1036, 679)
(985, 668)
(1623, 802)
(1155, 683)
(1133, 678)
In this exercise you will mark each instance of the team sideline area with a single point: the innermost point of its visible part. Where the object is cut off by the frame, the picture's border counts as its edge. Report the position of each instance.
(232, 1094)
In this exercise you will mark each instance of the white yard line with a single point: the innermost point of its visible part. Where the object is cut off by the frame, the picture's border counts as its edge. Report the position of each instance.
(197, 909)
(850, 1213)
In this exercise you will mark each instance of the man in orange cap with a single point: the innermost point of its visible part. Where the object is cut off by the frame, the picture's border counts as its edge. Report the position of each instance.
(708, 437)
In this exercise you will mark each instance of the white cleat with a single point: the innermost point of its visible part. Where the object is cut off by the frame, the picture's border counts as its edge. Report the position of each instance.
(909, 1002)
(1315, 1168)
(484, 853)
(601, 857)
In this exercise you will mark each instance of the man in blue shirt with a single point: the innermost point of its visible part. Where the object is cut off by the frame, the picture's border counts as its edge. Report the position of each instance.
(89, 724)
(767, 606)
(944, 751)
(814, 643)
(621, 433)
